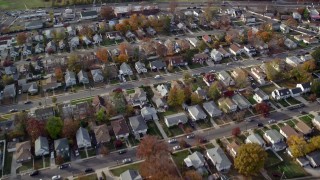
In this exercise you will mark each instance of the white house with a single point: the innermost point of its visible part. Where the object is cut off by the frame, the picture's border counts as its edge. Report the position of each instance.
(276, 139)
(83, 138)
(125, 69)
(41, 146)
(256, 138)
(260, 96)
(70, 78)
(140, 67)
(226, 78)
(290, 44)
(296, 16)
(293, 61)
(97, 75)
(216, 55)
(284, 28)
(219, 158)
(196, 112)
(280, 93)
(316, 121)
(305, 87)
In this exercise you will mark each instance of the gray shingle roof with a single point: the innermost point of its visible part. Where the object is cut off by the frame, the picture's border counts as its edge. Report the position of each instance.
(195, 159)
(130, 175)
(197, 112)
(219, 157)
(176, 119)
(61, 144)
(137, 123)
(255, 138)
(211, 108)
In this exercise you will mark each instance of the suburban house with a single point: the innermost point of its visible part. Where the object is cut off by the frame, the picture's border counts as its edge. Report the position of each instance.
(62, 45)
(290, 44)
(193, 41)
(140, 67)
(9, 91)
(263, 48)
(202, 93)
(216, 55)
(140, 33)
(31, 88)
(83, 138)
(157, 65)
(311, 40)
(160, 102)
(241, 101)
(280, 93)
(195, 160)
(306, 57)
(314, 158)
(209, 78)
(130, 175)
(212, 109)
(176, 119)
(86, 40)
(41, 146)
(71, 31)
(83, 77)
(51, 47)
(224, 53)
(293, 61)
(200, 58)
(23, 151)
(260, 96)
(235, 49)
(27, 50)
(39, 48)
(120, 128)
(74, 42)
(305, 87)
(70, 78)
(102, 134)
(97, 39)
(276, 139)
(149, 113)
(138, 125)
(125, 69)
(219, 159)
(256, 138)
(248, 19)
(233, 149)
(316, 122)
(303, 128)
(34, 25)
(85, 15)
(44, 113)
(294, 92)
(114, 35)
(296, 16)
(163, 89)
(226, 78)
(176, 61)
(14, 52)
(284, 28)
(258, 75)
(196, 112)
(139, 98)
(227, 105)
(288, 131)
(129, 35)
(250, 50)
(98, 102)
(206, 38)
(61, 146)
(97, 75)
(151, 31)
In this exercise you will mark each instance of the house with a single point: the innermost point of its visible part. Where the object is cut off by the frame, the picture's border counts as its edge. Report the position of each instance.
(23, 153)
(282, 93)
(202, 93)
(140, 33)
(284, 28)
(139, 98)
(260, 96)
(303, 128)
(288, 131)
(129, 35)
(140, 67)
(196, 113)
(200, 58)
(296, 16)
(256, 138)
(176, 119)
(227, 105)
(9, 91)
(293, 61)
(31, 88)
(305, 87)
(98, 102)
(212, 109)
(61, 44)
(71, 31)
(263, 48)
(97, 39)
(125, 69)
(149, 113)
(27, 50)
(83, 77)
(219, 159)
(209, 78)
(316, 121)
(33, 25)
(114, 35)
(160, 103)
(193, 41)
(157, 65)
(176, 61)
(39, 48)
(48, 33)
(44, 113)
(139, 126)
(130, 175)
(224, 53)
(206, 38)
(120, 128)
(195, 160)
(97, 75)
(10, 70)
(86, 40)
(61, 146)
(163, 89)
(311, 40)
(113, 71)
(74, 42)
(276, 139)
(241, 101)
(314, 158)
(70, 78)
(102, 134)
(233, 149)
(250, 50)
(85, 15)
(151, 31)
(302, 161)
(306, 57)
(226, 78)
(51, 47)
(294, 92)
(14, 52)
(248, 19)
(258, 75)
(41, 146)
(290, 44)
(301, 37)
(83, 138)
(216, 55)
(235, 49)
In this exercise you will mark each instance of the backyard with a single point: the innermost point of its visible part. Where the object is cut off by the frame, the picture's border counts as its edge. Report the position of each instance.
(87, 177)
(153, 129)
(268, 88)
(118, 171)
(306, 119)
(7, 163)
(272, 159)
(179, 157)
(292, 101)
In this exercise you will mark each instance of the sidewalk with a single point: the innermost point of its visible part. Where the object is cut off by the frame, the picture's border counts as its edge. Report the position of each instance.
(164, 135)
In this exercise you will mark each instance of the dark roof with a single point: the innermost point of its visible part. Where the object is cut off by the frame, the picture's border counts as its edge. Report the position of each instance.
(306, 85)
(314, 158)
(296, 90)
(34, 23)
(283, 92)
(158, 64)
(120, 127)
(89, 13)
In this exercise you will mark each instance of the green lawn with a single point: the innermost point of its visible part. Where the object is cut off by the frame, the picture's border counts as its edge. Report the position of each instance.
(82, 154)
(251, 100)
(272, 159)
(77, 101)
(259, 131)
(194, 65)
(172, 131)
(306, 119)
(118, 171)
(209, 146)
(92, 152)
(38, 163)
(7, 163)
(268, 89)
(275, 127)
(25, 166)
(203, 124)
(21, 4)
(130, 91)
(87, 177)
(153, 129)
(293, 101)
(290, 123)
(283, 103)
(179, 157)
(198, 148)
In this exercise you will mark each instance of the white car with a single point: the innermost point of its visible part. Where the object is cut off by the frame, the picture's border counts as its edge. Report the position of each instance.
(190, 136)
(212, 71)
(57, 177)
(176, 148)
(271, 121)
(127, 160)
(157, 76)
(172, 140)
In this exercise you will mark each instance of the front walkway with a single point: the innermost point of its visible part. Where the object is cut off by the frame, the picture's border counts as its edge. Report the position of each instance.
(164, 135)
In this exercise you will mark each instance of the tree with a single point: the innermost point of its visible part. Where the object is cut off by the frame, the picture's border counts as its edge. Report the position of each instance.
(306, 14)
(107, 12)
(239, 116)
(312, 97)
(192, 175)
(70, 128)
(21, 38)
(121, 28)
(195, 99)
(59, 160)
(228, 38)
(87, 31)
(101, 116)
(202, 46)
(214, 91)
(183, 143)
(35, 128)
(172, 6)
(187, 77)
(59, 74)
(134, 22)
(58, 35)
(236, 131)
(102, 54)
(316, 54)
(300, 75)
(175, 97)
(187, 93)
(104, 150)
(297, 145)
(130, 110)
(271, 72)
(315, 87)
(250, 159)
(242, 78)
(291, 22)
(262, 108)
(122, 58)
(118, 143)
(309, 66)
(152, 146)
(74, 63)
(32, 69)
(54, 99)
(315, 141)
(7, 79)
(54, 127)
(161, 50)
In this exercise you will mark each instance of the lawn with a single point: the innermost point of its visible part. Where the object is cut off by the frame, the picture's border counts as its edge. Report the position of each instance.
(82, 154)
(307, 120)
(293, 101)
(21, 4)
(274, 126)
(283, 103)
(133, 141)
(203, 124)
(290, 123)
(130, 91)
(268, 89)
(198, 82)
(194, 65)
(153, 129)
(172, 131)
(26, 166)
(198, 148)
(118, 171)
(272, 159)
(179, 157)
(251, 100)
(92, 152)
(7, 163)
(38, 163)
(259, 131)
(77, 101)
(209, 146)
(88, 177)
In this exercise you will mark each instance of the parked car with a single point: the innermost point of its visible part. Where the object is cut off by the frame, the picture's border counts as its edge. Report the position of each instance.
(271, 121)
(122, 151)
(88, 170)
(127, 160)
(27, 102)
(56, 177)
(190, 136)
(260, 125)
(157, 77)
(212, 71)
(34, 173)
(172, 140)
(13, 110)
(176, 148)
(64, 166)
(76, 152)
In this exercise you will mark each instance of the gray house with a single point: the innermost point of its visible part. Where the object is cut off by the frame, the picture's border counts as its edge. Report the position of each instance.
(138, 125)
(157, 65)
(212, 109)
(44, 113)
(41, 146)
(39, 48)
(196, 112)
(176, 119)
(97, 75)
(51, 46)
(255, 138)
(130, 175)
(219, 158)
(149, 113)
(241, 101)
(83, 77)
(195, 160)
(276, 139)
(61, 146)
(125, 69)
(97, 39)
(70, 78)
(9, 91)
(83, 138)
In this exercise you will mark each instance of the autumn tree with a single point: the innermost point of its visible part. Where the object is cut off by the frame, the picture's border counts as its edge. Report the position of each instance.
(133, 22)
(161, 50)
(316, 54)
(239, 116)
(183, 143)
(262, 108)
(300, 74)
(74, 63)
(187, 90)
(121, 28)
(309, 66)
(102, 54)
(35, 128)
(291, 22)
(250, 159)
(192, 175)
(21, 38)
(86, 31)
(315, 87)
(195, 99)
(59, 74)
(228, 38)
(151, 146)
(236, 131)
(214, 92)
(187, 77)
(59, 160)
(107, 12)
(175, 97)
(241, 80)
(122, 58)
(6, 79)
(271, 72)
(70, 128)
(315, 142)
(297, 145)
(101, 116)
(104, 150)
(54, 127)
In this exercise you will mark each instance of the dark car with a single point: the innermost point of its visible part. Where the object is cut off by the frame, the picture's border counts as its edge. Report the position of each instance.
(28, 59)
(303, 112)
(34, 173)
(122, 151)
(260, 125)
(64, 166)
(27, 102)
(88, 170)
